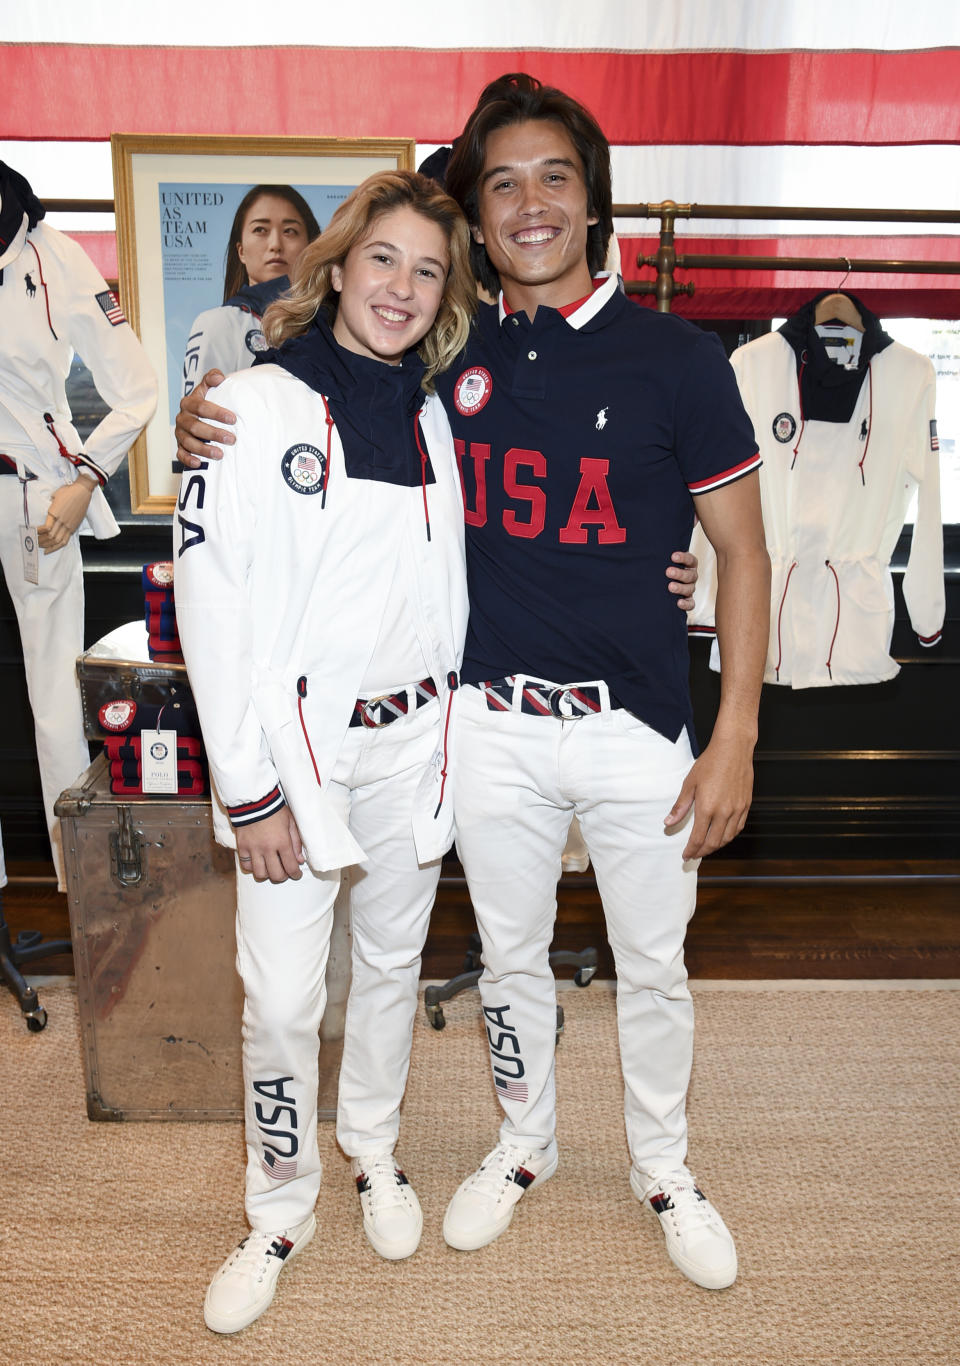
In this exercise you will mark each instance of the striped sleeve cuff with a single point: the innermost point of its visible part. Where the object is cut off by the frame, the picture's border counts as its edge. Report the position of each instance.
(927, 641)
(706, 632)
(248, 813)
(83, 462)
(717, 481)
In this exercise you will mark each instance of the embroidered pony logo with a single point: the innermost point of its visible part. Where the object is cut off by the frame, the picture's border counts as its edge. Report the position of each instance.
(601, 419)
(31, 287)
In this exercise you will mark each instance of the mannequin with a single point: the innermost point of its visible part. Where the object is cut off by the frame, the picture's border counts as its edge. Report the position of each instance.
(52, 300)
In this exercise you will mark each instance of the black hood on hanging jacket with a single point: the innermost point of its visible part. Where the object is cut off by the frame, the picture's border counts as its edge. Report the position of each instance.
(828, 391)
(16, 199)
(374, 405)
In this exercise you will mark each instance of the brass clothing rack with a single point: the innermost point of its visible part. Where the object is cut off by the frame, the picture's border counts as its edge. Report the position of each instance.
(666, 259)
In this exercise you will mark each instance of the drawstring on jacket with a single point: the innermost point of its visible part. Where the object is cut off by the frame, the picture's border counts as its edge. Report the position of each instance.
(836, 627)
(77, 461)
(326, 468)
(423, 472)
(803, 420)
(783, 598)
(301, 694)
(453, 683)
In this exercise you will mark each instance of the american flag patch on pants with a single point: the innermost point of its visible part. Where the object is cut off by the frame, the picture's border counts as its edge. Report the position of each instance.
(511, 1090)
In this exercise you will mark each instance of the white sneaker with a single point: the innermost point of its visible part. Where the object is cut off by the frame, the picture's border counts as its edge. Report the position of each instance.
(483, 1205)
(392, 1218)
(698, 1241)
(244, 1286)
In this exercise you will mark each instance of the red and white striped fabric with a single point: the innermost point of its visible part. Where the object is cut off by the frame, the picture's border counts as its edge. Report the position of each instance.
(802, 102)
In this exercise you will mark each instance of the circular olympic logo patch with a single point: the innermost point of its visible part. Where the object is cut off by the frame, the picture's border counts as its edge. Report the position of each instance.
(473, 390)
(256, 341)
(302, 468)
(784, 426)
(160, 574)
(117, 715)
(158, 751)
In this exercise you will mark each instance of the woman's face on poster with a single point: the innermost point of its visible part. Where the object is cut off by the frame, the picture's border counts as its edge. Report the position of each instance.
(271, 239)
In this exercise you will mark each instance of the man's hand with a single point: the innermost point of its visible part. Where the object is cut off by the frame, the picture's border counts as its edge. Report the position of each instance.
(719, 786)
(271, 848)
(683, 575)
(192, 433)
(67, 509)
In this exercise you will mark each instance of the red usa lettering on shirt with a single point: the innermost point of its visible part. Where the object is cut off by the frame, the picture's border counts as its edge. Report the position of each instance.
(525, 484)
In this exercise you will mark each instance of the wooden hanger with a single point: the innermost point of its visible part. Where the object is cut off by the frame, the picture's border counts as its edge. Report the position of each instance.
(838, 308)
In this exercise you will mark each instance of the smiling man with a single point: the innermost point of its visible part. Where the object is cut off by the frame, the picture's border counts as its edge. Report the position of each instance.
(588, 431)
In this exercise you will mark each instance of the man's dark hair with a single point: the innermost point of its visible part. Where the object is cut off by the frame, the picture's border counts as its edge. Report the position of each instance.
(515, 98)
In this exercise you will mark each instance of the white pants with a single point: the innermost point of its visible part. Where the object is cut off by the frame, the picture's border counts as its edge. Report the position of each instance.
(283, 938)
(519, 778)
(50, 617)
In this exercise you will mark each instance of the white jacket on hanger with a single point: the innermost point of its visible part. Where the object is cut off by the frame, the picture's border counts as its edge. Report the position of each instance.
(835, 496)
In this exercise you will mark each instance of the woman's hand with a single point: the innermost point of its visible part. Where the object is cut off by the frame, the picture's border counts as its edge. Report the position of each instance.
(682, 574)
(271, 848)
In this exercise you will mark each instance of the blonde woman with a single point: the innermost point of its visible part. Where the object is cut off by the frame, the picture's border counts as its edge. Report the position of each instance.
(321, 599)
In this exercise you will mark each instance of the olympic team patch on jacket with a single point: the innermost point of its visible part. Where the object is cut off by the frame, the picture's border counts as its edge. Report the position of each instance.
(303, 467)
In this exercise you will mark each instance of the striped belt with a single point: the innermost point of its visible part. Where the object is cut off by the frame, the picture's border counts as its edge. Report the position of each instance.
(566, 701)
(374, 712)
(9, 466)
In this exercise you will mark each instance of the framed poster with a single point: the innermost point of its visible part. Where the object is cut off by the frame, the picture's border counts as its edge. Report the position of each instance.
(180, 202)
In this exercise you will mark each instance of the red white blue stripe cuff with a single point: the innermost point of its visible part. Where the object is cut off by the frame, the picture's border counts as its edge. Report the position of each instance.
(83, 462)
(717, 481)
(927, 641)
(709, 632)
(248, 813)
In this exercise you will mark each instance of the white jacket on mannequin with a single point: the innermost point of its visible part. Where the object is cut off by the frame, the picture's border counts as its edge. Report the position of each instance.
(54, 302)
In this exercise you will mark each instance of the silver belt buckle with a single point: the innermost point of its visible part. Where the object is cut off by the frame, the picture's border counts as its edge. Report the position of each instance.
(556, 700)
(367, 716)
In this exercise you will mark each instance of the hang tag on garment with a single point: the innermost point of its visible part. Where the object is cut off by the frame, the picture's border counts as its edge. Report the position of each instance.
(30, 551)
(158, 760)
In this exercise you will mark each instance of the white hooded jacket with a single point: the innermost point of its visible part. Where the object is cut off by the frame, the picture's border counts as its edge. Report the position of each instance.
(835, 495)
(281, 587)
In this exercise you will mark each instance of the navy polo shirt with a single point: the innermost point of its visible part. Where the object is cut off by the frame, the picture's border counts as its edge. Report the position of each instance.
(583, 438)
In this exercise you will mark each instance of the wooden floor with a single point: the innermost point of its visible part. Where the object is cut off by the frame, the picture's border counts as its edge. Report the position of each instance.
(754, 920)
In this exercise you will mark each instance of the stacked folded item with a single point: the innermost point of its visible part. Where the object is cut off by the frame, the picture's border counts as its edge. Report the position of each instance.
(126, 720)
(160, 616)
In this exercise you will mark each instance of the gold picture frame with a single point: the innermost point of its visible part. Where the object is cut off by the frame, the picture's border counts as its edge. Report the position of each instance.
(170, 264)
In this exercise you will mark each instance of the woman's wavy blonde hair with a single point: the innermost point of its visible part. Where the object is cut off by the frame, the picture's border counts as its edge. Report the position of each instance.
(312, 290)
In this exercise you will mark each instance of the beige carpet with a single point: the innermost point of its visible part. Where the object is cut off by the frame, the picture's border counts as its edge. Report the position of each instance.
(823, 1124)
